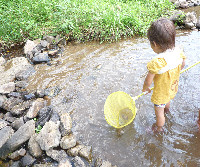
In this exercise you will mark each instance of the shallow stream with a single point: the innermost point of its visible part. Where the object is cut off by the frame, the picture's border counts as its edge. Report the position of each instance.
(87, 73)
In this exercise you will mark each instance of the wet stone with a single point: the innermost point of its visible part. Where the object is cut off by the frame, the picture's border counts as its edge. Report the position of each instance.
(57, 155)
(68, 142)
(35, 107)
(17, 154)
(64, 163)
(9, 117)
(21, 84)
(11, 102)
(2, 99)
(86, 152)
(16, 164)
(29, 96)
(20, 108)
(34, 147)
(5, 134)
(78, 162)
(29, 46)
(7, 88)
(18, 123)
(3, 123)
(15, 94)
(40, 58)
(24, 74)
(27, 160)
(66, 124)
(18, 138)
(44, 116)
(75, 150)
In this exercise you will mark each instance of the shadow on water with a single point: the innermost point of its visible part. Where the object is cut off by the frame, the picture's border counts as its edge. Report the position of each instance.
(88, 73)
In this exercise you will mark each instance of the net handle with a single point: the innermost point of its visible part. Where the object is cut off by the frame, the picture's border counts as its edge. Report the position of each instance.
(135, 98)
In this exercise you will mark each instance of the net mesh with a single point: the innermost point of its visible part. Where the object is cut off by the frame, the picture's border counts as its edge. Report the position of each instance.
(119, 109)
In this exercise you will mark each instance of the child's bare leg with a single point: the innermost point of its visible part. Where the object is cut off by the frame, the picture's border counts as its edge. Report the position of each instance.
(160, 118)
(166, 110)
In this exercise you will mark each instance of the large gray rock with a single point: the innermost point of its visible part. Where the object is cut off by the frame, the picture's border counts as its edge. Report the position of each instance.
(7, 87)
(3, 123)
(49, 136)
(2, 61)
(57, 155)
(36, 106)
(65, 124)
(68, 141)
(9, 103)
(34, 147)
(5, 134)
(27, 160)
(12, 67)
(29, 46)
(20, 108)
(2, 99)
(40, 58)
(18, 123)
(18, 138)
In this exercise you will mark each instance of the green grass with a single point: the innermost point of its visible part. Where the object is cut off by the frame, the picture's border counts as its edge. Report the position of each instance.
(104, 20)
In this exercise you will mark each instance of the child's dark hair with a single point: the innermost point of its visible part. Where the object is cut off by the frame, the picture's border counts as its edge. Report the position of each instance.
(163, 33)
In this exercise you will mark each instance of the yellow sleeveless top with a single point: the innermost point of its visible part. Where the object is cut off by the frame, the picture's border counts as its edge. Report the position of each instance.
(166, 67)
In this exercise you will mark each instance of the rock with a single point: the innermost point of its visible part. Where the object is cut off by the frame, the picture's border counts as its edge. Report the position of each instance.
(2, 99)
(45, 165)
(44, 43)
(27, 160)
(78, 162)
(40, 58)
(18, 138)
(9, 117)
(53, 53)
(40, 93)
(15, 94)
(29, 96)
(18, 123)
(29, 46)
(74, 151)
(44, 116)
(7, 88)
(57, 155)
(68, 142)
(36, 106)
(12, 67)
(2, 61)
(21, 84)
(24, 74)
(49, 39)
(98, 162)
(20, 108)
(190, 20)
(16, 164)
(86, 152)
(55, 117)
(5, 134)
(65, 124)
(49, 136)
(3, 124)
(106, 164)
(65, 163)
(17, 154)
(9, 103)
(34, 147)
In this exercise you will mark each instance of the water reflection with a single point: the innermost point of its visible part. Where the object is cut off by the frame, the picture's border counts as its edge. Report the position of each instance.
(88, 73)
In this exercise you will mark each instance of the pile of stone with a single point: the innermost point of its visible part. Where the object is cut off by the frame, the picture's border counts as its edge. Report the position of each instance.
(185, 21)
(30, 129)
(185, 3)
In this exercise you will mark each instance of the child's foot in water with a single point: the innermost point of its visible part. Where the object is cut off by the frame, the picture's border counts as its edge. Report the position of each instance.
(166, 110)
(157, 129)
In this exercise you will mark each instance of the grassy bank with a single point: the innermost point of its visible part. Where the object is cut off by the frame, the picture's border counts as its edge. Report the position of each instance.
(78, 19)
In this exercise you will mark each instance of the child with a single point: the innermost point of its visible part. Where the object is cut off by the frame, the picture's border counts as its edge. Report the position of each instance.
(164, 69)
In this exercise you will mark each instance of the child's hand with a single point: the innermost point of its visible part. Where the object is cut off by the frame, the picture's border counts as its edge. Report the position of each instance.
(147, 90)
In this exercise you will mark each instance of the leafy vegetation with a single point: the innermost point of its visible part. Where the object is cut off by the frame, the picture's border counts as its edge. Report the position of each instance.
(103, 20)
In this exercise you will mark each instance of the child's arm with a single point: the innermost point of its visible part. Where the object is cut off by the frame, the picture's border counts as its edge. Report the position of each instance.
(183, 64)
(148, 81)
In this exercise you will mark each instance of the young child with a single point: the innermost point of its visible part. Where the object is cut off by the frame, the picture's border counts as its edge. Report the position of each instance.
(164, 69)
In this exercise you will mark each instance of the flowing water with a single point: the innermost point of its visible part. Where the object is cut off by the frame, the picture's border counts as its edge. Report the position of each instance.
(87, 73)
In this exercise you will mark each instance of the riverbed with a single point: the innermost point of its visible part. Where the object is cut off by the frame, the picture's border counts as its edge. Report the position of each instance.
(88, 72)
